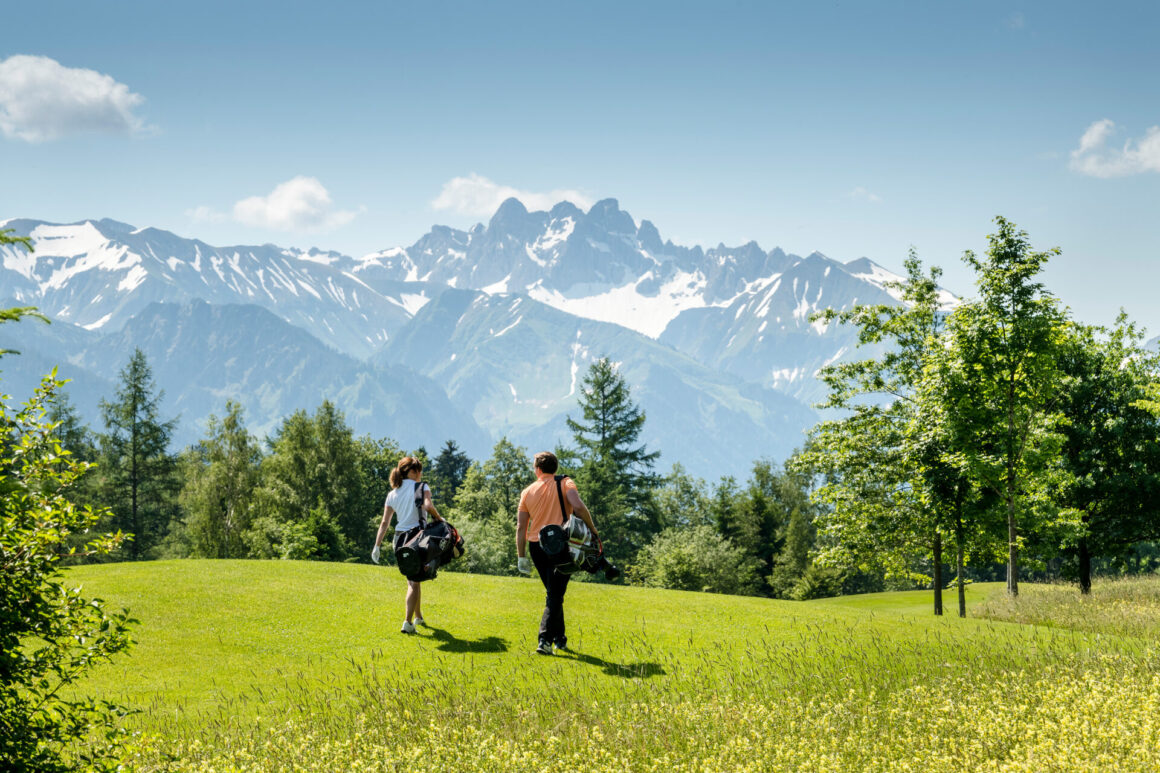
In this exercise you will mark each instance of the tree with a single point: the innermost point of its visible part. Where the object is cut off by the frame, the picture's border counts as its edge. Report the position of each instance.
(376, 458)
(485, 509)
(447, 472)
(50, 634)
(683, 500)
(137, 473)
(615, 470)
(492, 490)
(1000, 383)
(311, 476)
(880, 502)
(1111, 448)
(794, 558)
(221, 475)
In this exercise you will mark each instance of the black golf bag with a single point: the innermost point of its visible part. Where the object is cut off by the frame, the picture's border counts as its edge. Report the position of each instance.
(427, 547)
(573, 546)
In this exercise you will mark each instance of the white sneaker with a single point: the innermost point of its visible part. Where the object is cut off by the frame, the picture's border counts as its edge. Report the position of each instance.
(408, 627)
(420, 621)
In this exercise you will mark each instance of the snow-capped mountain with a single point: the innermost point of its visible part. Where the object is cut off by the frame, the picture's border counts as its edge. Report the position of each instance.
(707, 338)
(741, 309)
(98, 274)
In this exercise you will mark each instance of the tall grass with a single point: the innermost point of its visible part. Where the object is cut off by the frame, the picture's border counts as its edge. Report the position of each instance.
(658, 681)
(1125, 606)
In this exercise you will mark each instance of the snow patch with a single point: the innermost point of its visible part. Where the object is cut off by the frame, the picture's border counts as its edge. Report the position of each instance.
(509, 327)
(99, 323)
(499, 287)
(133, 279)
(625, 307)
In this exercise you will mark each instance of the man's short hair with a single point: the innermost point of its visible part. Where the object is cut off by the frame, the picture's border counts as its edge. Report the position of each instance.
(546, 462)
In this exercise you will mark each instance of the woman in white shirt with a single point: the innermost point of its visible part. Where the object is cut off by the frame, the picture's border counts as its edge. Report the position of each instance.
(407, 488)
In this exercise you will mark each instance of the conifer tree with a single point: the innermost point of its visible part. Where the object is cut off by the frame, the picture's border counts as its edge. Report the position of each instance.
(138, 474)
(615, 470)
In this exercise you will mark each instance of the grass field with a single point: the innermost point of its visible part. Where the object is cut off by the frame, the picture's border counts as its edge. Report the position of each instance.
(246, 665)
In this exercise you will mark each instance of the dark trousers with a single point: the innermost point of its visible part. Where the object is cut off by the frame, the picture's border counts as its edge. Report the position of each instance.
(556, 584)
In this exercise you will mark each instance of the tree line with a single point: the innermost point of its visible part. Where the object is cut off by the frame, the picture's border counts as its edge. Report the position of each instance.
(997, 436)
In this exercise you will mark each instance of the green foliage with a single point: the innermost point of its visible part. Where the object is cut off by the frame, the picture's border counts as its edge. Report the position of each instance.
(1111, 451)
(682, 500)
(221, 476)
(50, 634)
(696, 558)
(447, 472)
(877, 504)
(485, 509)
(137, 474)
(311, 476)
(999, 382)
(614, 472)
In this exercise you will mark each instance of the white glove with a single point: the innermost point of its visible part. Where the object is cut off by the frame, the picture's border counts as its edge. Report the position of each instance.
(524, 565)
(375, 554)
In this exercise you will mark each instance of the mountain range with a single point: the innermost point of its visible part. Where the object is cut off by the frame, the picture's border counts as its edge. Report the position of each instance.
(470, 335)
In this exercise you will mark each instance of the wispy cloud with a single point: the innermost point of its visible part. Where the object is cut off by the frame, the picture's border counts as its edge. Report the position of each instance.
(1016, 21)
(42, 100)
(204, 214)
(861, 194)
(300, 204)
(1095, 157)
(480, 197)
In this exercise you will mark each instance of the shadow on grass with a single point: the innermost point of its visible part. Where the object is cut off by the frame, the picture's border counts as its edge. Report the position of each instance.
(625, 670)
(448, 643)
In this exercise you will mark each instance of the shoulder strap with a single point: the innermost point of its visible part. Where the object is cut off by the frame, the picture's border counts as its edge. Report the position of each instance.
(560, 496)
(419, 504)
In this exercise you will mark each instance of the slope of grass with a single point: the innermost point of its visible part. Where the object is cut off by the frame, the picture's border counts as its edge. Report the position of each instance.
(284, 665)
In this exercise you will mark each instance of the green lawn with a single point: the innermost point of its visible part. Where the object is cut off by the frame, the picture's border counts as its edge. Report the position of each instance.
(304, 661)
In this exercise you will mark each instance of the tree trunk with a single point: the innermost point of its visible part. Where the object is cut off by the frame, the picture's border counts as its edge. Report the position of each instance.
(938, 575)
(1085, 568)
(1012, 534)
(959, 559)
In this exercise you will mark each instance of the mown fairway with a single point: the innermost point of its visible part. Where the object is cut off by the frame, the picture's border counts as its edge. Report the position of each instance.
(247, 665)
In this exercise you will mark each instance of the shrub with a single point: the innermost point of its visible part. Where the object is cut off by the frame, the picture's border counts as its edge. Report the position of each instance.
(697, 559)
(50, 635)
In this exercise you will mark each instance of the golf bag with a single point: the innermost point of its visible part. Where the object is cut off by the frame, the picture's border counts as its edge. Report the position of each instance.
(573, 546)
(427, 547)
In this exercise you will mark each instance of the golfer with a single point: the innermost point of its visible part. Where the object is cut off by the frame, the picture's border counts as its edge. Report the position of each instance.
(407, 488)
(540, 507)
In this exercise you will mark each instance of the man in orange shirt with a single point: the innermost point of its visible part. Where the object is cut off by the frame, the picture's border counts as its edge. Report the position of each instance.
(539, 507)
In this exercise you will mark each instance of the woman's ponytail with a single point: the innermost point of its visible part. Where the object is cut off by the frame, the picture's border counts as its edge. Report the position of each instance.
(406, 464)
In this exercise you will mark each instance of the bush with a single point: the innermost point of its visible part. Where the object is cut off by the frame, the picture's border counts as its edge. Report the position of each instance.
(697, 559)
(50, 635)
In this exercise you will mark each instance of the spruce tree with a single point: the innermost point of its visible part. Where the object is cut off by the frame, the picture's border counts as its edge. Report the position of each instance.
(615, 470)
(138, 477)
(448, 471)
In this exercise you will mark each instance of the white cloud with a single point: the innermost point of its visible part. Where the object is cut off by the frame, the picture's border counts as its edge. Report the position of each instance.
(41, 100)
(861, 194)
(300, 204)
(480, 197)
(1016, 21)
(1096, 158)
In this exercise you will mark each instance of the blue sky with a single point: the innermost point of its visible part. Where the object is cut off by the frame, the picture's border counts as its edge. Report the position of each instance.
(850, 128)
